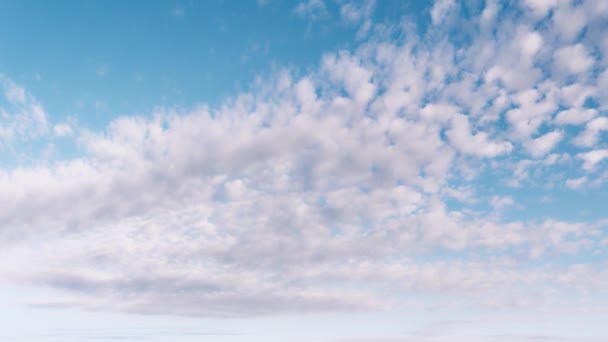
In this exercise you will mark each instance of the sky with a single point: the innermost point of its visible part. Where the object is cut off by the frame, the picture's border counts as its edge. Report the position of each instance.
(308, 170)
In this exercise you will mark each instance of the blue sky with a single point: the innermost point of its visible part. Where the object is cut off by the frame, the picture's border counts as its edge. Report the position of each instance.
(315, 170)
(160, 53)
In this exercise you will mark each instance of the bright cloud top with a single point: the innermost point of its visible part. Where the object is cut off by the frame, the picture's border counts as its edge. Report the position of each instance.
(382, 173)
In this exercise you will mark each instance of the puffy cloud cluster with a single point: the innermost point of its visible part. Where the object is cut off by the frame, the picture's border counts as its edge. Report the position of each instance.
(328, 191)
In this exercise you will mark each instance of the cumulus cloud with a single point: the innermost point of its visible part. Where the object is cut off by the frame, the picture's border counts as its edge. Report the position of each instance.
(477, 144)
(319, 191)
(573, 59)
(575, 116)
(592, 158)
(591, 134)
(545, 143)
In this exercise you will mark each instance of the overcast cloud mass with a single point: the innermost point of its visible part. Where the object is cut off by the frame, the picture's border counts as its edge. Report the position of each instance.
(451, 160)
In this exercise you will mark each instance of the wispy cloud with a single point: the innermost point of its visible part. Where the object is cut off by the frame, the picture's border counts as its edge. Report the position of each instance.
(312, 9)
(22, 116)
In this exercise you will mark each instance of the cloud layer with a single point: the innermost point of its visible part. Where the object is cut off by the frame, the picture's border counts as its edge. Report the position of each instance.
(331, 190)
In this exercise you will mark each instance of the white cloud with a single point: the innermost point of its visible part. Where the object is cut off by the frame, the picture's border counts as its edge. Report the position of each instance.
(534, 108)
(603, 80)
(14, 93)
(575, 94)
(569, 20)
(592, 158)
(440, 10)
(355, 12)
(358, 13)
(356, 79)
(544, 144)
(501, 202)
(575, 116)
(23, 118)
(488, 15)
(531, 43)
(593, 129)
(573, 59)
(576, 183)
(477, 144)
(541, 7)
(62, 130)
